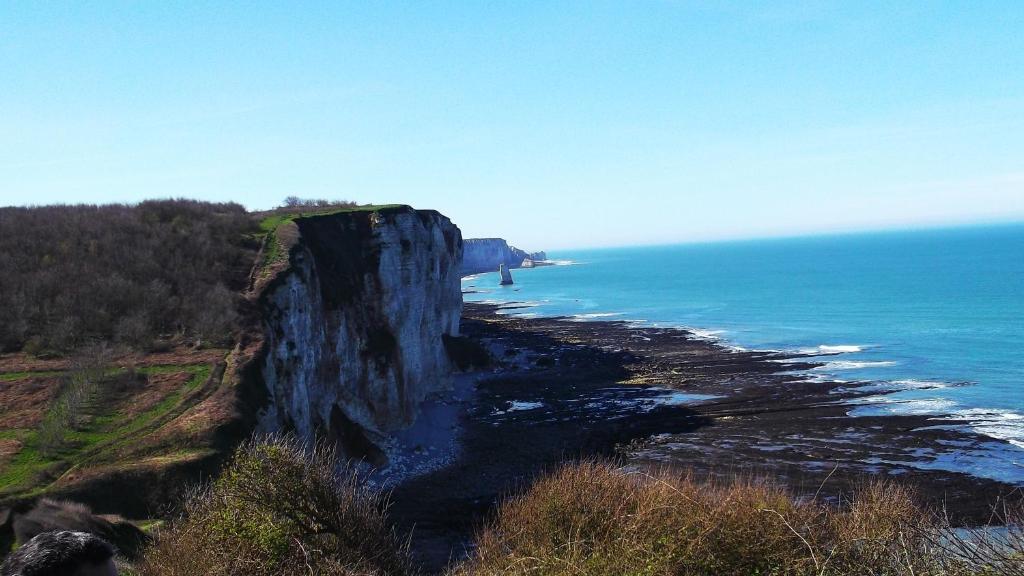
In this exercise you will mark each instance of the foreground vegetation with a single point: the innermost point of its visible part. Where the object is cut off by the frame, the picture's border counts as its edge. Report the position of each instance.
(595, 519)
(282, 509)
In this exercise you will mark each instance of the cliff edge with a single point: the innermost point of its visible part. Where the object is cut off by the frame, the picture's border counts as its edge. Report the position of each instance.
(356, 322)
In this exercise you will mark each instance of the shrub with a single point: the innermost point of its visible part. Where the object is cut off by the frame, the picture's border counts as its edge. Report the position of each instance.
(296, 202)
(281, 508)
(594, 519)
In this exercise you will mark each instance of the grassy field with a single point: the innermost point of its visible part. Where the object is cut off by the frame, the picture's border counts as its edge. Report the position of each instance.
(127, 405)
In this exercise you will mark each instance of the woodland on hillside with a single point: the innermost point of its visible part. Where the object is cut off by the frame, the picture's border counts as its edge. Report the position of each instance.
(134, 274)
(141, 275)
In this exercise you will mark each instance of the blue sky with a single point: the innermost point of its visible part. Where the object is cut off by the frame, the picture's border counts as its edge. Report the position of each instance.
(553, 124)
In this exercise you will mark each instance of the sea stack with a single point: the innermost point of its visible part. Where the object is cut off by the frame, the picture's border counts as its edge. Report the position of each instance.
(506, 275)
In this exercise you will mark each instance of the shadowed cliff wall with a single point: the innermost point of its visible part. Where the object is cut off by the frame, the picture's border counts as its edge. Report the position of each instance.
(356, 324)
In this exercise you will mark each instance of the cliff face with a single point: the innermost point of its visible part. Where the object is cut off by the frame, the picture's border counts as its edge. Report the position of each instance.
(486, 254)
(356, 324)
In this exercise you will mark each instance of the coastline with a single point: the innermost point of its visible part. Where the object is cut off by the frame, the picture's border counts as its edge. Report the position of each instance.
(902, 387)
(660, 397)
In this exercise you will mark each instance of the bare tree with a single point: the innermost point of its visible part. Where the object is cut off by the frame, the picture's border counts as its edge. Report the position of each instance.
(79, 386)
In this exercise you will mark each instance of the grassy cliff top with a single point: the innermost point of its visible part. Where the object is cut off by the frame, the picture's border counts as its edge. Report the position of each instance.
(272, 220)
(279, 233)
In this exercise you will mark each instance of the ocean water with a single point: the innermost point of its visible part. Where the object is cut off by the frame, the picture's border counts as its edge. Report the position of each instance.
(937, 315)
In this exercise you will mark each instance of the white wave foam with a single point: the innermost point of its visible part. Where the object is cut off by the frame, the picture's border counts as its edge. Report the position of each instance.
(705, 334)
(592, 315)
(1006, 425)
(833, 349)
(814, 378)
(855, 364)
(516, 406)
(788, 360)
(519, 406)
(926, 406)
(839, 348)
(899, 385)
(876, 405)
(677, 398)
(911, 384)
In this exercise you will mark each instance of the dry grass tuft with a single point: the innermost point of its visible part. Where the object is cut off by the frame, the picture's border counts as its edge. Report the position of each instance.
(281, 508)
(594, 519)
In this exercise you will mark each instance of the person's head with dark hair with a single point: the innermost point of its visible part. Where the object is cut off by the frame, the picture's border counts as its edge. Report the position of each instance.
(61, 554)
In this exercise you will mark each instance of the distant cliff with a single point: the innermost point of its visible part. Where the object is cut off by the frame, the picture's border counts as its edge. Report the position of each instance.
(356, 324)
(486, 254)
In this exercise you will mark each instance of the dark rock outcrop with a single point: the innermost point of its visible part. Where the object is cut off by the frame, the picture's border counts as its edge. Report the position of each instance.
(48, 515)
(6, 530)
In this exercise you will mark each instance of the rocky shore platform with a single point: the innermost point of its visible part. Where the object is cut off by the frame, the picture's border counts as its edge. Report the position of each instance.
(653, 397)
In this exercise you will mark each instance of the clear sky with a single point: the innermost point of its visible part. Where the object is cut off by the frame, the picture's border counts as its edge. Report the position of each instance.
(553, 124)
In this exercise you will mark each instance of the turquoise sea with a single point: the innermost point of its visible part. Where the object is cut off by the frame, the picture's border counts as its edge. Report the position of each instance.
(936, 314)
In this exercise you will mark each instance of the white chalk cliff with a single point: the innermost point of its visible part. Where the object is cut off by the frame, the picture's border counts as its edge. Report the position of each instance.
(486, 254)
(356, 324)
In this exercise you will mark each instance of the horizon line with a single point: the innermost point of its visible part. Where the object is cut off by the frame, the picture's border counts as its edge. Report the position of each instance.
(911, 227)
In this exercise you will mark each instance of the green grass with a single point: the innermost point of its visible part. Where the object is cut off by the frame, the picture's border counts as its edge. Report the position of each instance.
(151, 525)
(25, 467)
(12, 433)
(275, 251)
(270, 223)
(12, 376)
(104, 430)
(172, 369)
(161, 369)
